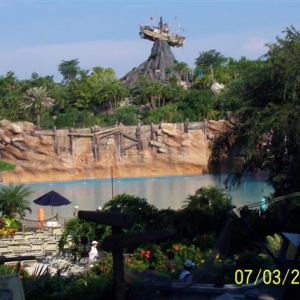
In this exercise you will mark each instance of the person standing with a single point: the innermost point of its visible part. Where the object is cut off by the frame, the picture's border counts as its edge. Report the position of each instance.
(94, 254)
(186, 275)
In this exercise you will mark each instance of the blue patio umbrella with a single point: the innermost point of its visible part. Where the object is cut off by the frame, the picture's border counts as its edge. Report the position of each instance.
(52, 198)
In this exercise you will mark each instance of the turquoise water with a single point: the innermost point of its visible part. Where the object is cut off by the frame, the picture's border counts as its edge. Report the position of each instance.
(163, 192)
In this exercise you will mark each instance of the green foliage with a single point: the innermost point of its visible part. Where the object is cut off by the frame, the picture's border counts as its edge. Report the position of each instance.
(253, 260)
(14, 269)
(75, 118)
(205, 241)
(13, 200)
(147, 256)
(11, 223)
(195, 254)
(168, 113)
(181, 70)
(36, 80)
(5, 166)
(198, 105)
(69, 69)
(274, 243)
(266, 133)
(10, 96)
(76, 228)
(209, 198)
(127, 115)
(44, 286)
(208, 59)
(47, 120)
(7, 270)
(35, 99)
(282, 216)
(145, 215)
(204, 212)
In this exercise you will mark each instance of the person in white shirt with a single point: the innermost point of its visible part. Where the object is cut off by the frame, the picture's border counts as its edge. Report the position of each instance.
(93, 254)
(186, 275)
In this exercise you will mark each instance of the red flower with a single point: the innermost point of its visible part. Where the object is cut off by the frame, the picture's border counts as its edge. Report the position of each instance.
(129, 260)
(176, 248)
(147, 256)
(142, 252)
(148, 252)
(21, 276)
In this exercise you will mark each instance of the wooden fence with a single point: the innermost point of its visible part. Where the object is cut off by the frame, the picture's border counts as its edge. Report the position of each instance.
(116, 140)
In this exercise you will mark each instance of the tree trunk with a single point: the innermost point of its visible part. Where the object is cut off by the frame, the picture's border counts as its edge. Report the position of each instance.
(38, 121)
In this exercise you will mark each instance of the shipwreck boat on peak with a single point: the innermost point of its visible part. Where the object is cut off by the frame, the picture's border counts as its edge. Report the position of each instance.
(161, 32)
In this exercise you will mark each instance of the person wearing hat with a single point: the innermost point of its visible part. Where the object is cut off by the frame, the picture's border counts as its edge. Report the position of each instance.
(93, 254)
(186, 275)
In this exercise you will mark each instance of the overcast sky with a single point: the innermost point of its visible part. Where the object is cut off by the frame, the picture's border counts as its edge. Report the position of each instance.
(36, 35)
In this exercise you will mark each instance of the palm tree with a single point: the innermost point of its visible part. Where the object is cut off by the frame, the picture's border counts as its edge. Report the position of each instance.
(181, 68)
(209, 198)
(36, 98)
(13, 200)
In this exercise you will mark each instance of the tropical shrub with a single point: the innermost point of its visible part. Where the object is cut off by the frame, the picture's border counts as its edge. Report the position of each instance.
(14, 269)
(253, 260)
(8, 226)
(149, 257)
(13, 200)
(5, 166)
(145, 215)
(274, 243)
(205, 241)
(89, 285)
(77, 228)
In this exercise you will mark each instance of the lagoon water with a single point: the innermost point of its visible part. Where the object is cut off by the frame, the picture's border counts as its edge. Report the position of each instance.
(163, 192)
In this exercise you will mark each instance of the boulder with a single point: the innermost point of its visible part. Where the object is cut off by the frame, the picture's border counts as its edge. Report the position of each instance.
(163, 150)
(19, 146)
(14, 128)
(18, 138)
(157, 144)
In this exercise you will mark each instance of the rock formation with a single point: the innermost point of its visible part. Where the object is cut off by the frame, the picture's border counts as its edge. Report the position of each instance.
(170, 151)
(155, 67)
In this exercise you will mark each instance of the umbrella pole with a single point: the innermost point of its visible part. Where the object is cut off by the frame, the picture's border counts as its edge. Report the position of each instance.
(51, 211)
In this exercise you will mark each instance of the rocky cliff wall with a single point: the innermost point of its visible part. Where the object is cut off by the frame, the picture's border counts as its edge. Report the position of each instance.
(168, 149)
(155, 68)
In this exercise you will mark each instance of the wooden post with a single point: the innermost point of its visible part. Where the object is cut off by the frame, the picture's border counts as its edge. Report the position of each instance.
(122, 151)
(71, 142)
(55, 140)
(138, 137)
(117, 145)
(98, 148)
(152, 132)
(118, 268)
(186, 126)
(95, 147)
